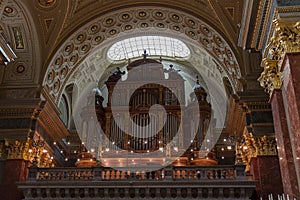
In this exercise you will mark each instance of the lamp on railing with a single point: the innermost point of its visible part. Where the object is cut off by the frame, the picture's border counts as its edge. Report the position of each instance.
(236, 141)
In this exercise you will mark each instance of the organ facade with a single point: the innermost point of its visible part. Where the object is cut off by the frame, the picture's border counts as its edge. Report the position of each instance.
(148, 120)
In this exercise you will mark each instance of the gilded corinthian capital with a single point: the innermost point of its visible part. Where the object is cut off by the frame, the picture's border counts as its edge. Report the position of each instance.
(286, 39)
(271, 77)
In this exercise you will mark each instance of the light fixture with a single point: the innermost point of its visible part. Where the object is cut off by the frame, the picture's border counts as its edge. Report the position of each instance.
(6, 52)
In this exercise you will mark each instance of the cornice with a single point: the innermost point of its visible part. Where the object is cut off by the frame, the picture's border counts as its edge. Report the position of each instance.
(52, 124)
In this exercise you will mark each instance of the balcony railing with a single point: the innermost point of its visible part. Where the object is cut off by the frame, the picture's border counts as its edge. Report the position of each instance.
(110, 174)
(184, 182)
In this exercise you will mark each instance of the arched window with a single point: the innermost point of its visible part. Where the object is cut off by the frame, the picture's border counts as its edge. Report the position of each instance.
(154, 46)
(63, 107)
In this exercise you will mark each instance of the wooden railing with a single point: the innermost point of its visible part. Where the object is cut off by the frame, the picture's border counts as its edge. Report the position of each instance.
(110, 174)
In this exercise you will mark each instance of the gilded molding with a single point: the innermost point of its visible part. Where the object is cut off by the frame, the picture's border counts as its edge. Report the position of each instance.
(286, 39)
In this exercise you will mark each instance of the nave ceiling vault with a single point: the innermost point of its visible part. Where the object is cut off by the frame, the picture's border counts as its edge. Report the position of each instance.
(69, 32)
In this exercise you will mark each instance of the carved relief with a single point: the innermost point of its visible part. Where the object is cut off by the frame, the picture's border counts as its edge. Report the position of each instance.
(286, 39)
(9, 11)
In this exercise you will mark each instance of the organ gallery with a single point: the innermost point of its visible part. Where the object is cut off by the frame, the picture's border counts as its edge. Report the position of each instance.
(149, 99)
(136, 133)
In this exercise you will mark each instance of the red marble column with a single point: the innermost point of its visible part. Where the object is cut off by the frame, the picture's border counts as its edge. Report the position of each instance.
(265, 169)
(291, 98)
(15, 171)
(285, 154)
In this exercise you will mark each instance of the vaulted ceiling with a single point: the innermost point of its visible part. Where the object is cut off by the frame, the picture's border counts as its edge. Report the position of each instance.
(43, 34)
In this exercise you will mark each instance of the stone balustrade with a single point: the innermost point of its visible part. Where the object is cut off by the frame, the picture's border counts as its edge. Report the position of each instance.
(180, 182)
(119, 174)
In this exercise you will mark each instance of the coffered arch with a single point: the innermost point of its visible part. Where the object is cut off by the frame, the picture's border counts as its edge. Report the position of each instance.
(120, 23)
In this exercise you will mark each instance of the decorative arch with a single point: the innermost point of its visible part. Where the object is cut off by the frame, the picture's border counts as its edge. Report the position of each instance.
(89, 37)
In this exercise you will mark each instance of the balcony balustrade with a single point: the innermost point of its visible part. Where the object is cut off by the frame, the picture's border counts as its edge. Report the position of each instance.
(187, 182)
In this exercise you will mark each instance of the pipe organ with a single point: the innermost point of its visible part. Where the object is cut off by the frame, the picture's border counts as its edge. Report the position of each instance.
(159, 119)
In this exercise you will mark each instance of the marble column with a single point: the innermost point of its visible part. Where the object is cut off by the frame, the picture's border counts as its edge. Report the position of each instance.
(291, 99)
(282, 73)
(265, 169)
(284, 148)
(15, 170)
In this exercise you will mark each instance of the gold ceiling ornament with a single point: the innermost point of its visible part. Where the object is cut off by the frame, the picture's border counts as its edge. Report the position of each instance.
(286, 39)
(256, 146)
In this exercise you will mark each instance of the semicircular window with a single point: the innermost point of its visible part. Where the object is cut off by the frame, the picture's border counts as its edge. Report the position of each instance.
(154, 46)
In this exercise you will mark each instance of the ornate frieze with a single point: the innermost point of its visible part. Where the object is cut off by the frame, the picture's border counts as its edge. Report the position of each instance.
(286, 39)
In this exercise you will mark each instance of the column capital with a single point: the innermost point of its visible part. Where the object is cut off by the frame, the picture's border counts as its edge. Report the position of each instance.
(271, 77)
(285, 39)
(253, 146)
